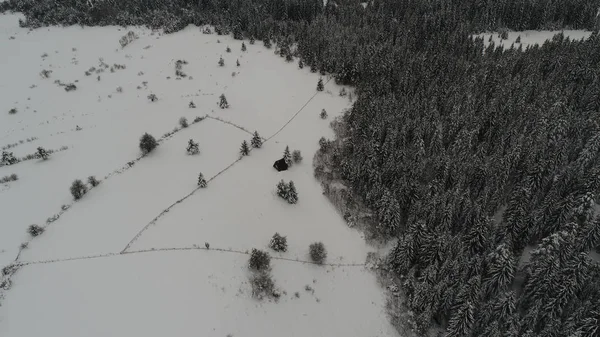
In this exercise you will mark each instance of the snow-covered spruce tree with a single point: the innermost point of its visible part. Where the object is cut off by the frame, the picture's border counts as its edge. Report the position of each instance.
(152, 97)
(292, 195)
(223, 102)
(317, 252)
(245, 149)
(78, 189)
(8, 158)
(287, 157)
(320, 86)
(278, 243)
(323, 114)
(237, 63)
(35, 230)
(518, 40)
(267, 43)
(228, 50)
(300, 64)
(324, 144)
(256, 141)
(192, 147)
(147, 143)
(252, 40)
(221, 62)
(243, 46)
(297, 156)
(93, 181)
(259, 260)
(42, 153)
(282, 189)
(183, 122)
(201, 181)
(192, 105)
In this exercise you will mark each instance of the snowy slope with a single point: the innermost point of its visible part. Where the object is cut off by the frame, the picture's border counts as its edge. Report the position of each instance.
(116, 262)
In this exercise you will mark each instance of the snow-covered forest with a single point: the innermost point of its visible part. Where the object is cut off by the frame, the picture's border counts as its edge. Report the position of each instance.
(477, 164)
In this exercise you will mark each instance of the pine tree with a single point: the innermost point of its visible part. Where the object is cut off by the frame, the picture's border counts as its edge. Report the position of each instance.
(244, 149)
(297, 156)
(78, 189)
(287, 157)
(256, 141)
(237, 63)
(243, 46)
(228, 50)
(201, 181)
(267, 43)
(323, 114)
(8, 158)
(147, 143)
(282, 189)
(223, 102)
(192, 105)
(193, 147)
(221, 62)
(518, 40)
(252, 40)
(320, 86)
(289, 57)
(278, 243)
(292, 195)
(42, 153)
(300, 64)
(313, 67)
(317, 252)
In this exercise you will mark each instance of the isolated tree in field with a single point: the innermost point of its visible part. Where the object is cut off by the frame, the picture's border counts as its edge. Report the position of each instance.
(278, 243)
(317, 252)
(320, 85)
(183, 122)
(228, 49)
(323, 114)
(93, 181)
(8, 158)
(287, 157)
(300, 64)
(35, 230)
(221, 62)
(292, 194)
(297, 156)
(259, 260)
(518, 40)
(243, 46)
(147, 143)
(282, 189)
(78, 189)
(42, 153)
(192, 105)
(256, 141)
(192, 147)
(201, 181)
(245, 149)
(223, 102)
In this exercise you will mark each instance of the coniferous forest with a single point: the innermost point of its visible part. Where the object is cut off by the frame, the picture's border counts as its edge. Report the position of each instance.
(468, 155)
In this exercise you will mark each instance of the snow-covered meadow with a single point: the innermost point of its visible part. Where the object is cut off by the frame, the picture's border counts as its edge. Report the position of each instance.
(129, 258)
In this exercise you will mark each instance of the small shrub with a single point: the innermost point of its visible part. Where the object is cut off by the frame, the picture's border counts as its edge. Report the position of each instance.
(24, 245)
(12, 111)
(263, 286)
(198, 119)
(147, 143)
(183, 122)
(245, 149)
(78, 189)
(503, 33)
(6, 179)
(153, 98)
(297, 156)
(206, 30)
(45, 73)
(320, 85)
(192, 105)
(278, 243)
(317, 251)
(8, 158)
(228, 50)
(323, 114)
(223, 104)
(192, 147)
(42, 153)
(201, 181)
(93, 181)
(252, 40)
(243, 46)
(256, 141)
(35, 230)
(119, 89)
(237, 63)
(221, 62)
(267, 43)
(70, 87)
(300, 64)
(259, 260)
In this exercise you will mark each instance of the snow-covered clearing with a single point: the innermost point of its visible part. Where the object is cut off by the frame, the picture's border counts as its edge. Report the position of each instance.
(115, 263)
(530, 37)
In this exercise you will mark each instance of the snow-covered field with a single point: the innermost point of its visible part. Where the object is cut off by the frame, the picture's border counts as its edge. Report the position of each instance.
(531, 37)
(114, 263)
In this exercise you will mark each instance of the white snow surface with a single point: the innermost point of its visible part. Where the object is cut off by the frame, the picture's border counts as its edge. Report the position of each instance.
(531, 37)
(76, 282)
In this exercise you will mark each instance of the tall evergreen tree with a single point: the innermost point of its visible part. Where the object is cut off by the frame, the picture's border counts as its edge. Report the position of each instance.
(256, 141)
(245, 149)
